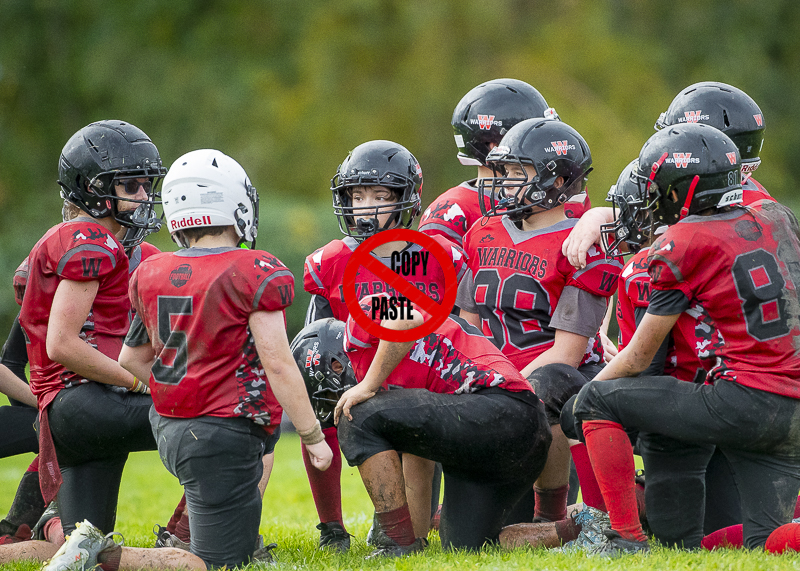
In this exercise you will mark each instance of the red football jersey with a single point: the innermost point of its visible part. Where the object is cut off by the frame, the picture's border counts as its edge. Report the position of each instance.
(519, 276)
(576, 206)
(633, 291)
(453, 212)
(324, 273)
(752, 191)
(196, 304)
(79, 250)
(454, 359)
(20, 281)
(743, 269)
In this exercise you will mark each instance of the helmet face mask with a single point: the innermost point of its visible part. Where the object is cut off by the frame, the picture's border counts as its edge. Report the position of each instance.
(543, 164)
(319, 352)
(208, 188)
(487, 112)
(372, 168)
(102, 156)
(633, 214)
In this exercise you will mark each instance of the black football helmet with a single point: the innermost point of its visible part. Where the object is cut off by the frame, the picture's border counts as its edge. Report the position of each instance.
(551, 149)
(102, 155)
(685, 169)
(374, 163)
(487, 112)
(632, 222)
(315, 349)
(725, 107)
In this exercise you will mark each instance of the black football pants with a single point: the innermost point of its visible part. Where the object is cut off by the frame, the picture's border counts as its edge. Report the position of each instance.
(679, 424)
(492, 447)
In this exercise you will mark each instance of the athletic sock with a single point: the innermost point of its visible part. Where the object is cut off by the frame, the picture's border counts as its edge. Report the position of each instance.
(326, 486)
(796, 508)
(397, 525)
(182, 531)
(785, 538)
(567, 529)
(612, 460)
(551, 504)
(176, 515)
(730, 537)
(590, 489)
(53, 532)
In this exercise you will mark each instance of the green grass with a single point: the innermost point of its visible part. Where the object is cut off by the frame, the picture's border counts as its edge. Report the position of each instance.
(149, 494)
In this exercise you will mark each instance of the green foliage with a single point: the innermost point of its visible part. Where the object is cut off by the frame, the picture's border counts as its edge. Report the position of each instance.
(288, 88)
(149, 495)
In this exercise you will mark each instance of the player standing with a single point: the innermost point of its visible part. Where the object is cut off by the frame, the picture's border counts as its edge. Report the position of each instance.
(216, 413)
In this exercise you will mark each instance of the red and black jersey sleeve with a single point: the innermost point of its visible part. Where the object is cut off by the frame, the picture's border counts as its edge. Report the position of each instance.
(20, 280)
(453, 212)
(578, 205)
(634, 291)
(274, 282)
(90, 253)
(599, 276)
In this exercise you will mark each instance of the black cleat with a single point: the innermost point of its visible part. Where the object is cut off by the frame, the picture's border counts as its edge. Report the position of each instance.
(333, 536)
(395, 550)
(616, 546)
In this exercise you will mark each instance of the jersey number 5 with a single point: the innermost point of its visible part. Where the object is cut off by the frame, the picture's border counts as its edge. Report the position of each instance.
(169, 305)
(760, 284)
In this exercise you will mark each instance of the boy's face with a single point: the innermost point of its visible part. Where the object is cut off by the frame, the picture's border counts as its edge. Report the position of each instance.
(368, 201)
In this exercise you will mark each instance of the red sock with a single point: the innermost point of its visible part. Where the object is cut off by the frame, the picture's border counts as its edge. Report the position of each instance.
(785, 538)
(590, 489)
(796, 509)
(34, 467)
(397, 525)
(612, 460)
(551, 505)
(182, 528)
(176, 515)
(730, 537)
(53, 532)
(326, 486)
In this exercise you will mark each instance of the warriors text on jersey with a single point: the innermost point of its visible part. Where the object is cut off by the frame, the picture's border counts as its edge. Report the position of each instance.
(518, 278)
(324, 272)
(454, 359)
(81, 251)
(743, 267)
(195, 305)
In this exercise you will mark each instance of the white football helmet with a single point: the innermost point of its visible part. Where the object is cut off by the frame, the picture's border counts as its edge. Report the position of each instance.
(208, 188)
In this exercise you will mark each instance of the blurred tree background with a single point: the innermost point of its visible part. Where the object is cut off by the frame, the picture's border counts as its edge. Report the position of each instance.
(288, 88)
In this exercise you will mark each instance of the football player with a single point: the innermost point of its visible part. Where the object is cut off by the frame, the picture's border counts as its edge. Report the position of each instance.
(521, 291)
(461, 403)
(480, 120)
(376, 188)
(216, 413)
(740, 265)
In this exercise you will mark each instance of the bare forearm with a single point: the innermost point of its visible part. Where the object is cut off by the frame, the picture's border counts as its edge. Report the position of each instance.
(288, 387)
(83, 359)
(14, 388)
(138, 361)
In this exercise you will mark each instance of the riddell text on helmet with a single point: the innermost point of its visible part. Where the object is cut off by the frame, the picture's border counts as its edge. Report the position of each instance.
(189, 222)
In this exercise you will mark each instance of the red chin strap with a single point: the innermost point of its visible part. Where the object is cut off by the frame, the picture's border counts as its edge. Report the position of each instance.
(689, 196)
(654, 170)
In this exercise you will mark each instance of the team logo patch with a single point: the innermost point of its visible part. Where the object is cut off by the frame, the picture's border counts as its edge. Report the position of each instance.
(90, 234)
(731, 157)
(485, 122)
(759, 119)
(694, 116)
(682, 160)
(559, 147)
(180, 275)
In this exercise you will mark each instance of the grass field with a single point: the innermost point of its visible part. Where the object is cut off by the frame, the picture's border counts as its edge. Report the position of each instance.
(149, 495)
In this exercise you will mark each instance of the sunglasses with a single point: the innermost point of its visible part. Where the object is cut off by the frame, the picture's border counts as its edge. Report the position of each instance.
(132, 185)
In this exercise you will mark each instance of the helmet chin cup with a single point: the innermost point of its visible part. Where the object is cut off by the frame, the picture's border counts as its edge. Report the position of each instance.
(366, 226)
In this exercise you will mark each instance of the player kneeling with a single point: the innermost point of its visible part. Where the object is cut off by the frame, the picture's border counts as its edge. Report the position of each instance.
(210, 335)
(462, 404)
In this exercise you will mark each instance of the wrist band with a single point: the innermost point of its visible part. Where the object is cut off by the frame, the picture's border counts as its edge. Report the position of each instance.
(312, 436)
